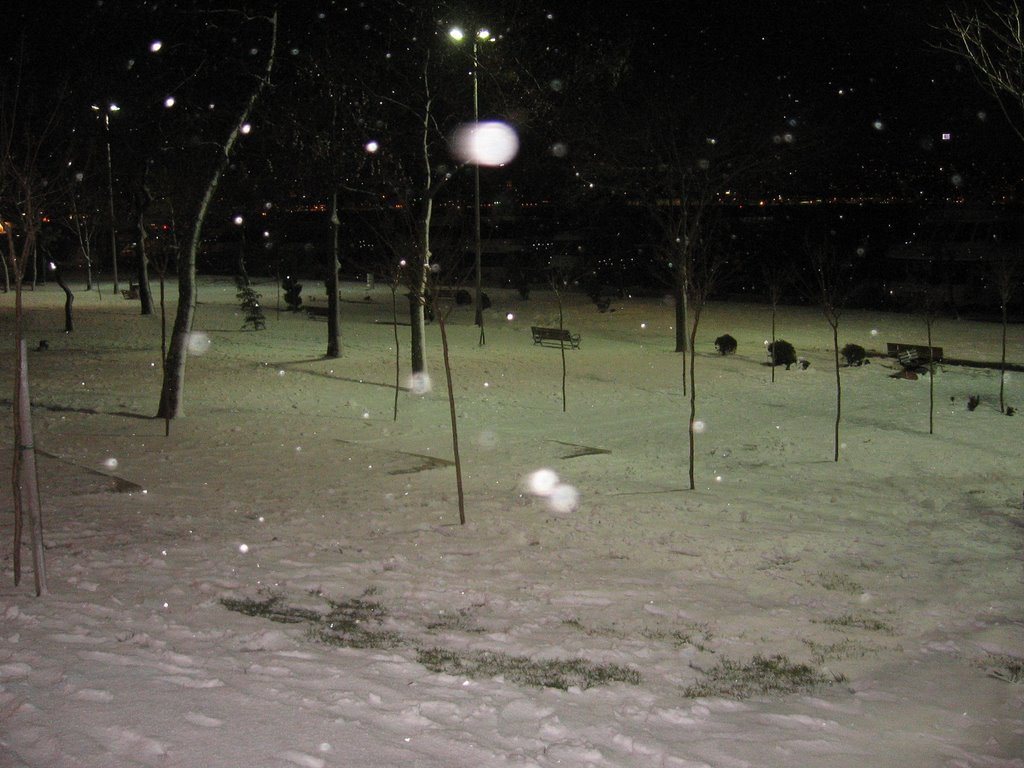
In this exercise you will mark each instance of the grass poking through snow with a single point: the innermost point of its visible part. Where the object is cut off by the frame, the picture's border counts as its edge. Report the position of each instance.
(549, 673)
(771, 676)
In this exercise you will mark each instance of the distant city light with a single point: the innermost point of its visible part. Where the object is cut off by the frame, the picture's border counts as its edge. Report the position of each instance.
(372, 146)
(169, 102)
(246, 128)
(947, 136)
(155, 46)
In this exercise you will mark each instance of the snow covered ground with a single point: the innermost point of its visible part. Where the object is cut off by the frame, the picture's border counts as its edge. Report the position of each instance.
(894, 574)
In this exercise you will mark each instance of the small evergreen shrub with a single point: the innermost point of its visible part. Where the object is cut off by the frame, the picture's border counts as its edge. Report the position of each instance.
(726, 345)
(292, 289)
(854, 354)
(249, 300)
(782, 353)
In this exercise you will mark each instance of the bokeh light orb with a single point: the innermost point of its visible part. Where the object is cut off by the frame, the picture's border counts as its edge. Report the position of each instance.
(198, 343)
(489, 143)
(420, 383)
(563, 499)
(542, 482)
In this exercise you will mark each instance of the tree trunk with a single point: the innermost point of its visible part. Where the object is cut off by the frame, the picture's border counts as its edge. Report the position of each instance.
(1002, 359)
(451, 410)
(679, 304)
(561, 343)
(839, 387)
(142, 268)
(7, 276)
(773, 340)
(69, 299)
(333, 309)
(693, 402)
(394, 326)
(173, 390)
(16, 465)
(931, 381)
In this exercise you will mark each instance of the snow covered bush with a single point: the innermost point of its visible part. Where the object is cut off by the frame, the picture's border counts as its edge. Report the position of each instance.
(782, 353)
(292, 289)
(726, 344)
(854, 354)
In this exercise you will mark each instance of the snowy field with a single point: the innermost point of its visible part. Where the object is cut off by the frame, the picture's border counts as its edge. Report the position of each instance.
(892, 579)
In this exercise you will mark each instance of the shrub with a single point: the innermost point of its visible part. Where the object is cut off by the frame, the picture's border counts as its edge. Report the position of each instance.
(249, 299)
(854, 354)
(726, 345)
(292, 289)
(782, 353)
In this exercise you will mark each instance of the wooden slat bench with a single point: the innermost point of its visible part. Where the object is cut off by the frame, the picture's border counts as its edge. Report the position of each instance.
(913, 355)
(554, 337)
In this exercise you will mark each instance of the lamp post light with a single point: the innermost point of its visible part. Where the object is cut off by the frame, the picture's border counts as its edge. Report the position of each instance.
(110, 187)
(482, 35)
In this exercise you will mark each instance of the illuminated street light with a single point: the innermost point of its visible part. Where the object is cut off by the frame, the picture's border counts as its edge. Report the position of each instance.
(482, 35)
(110, 186)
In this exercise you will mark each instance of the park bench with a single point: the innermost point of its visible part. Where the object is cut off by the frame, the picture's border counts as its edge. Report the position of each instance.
(131, 292)
(554, 337)
(913, 355)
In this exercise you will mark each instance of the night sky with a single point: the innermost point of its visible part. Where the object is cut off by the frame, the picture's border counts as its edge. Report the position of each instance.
(862, 82)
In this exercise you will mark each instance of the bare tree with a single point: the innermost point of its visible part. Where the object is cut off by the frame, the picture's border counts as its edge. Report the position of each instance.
(990, 38)
(707, 261)
(829, 281)
(173, 389)
(29, 168)
(1006, 272)
(775, 280)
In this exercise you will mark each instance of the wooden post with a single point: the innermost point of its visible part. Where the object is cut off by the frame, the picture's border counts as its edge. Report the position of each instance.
(28, 479)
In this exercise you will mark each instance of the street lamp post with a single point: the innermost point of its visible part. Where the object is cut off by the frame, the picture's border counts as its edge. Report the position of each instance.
(110, 189)
(481, 35)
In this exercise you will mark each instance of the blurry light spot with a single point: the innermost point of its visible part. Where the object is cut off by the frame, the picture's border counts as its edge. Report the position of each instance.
(698, 426)
(490, 143)
(420, 384)
(542, 482)
(198, 343)
(243, 548)
(169, 102)
(564, 499)
(372, 146)
(155, 46)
